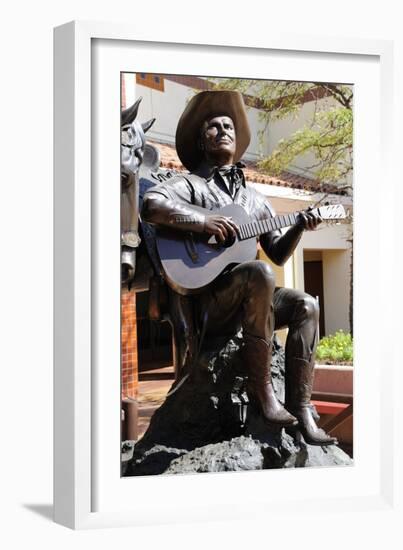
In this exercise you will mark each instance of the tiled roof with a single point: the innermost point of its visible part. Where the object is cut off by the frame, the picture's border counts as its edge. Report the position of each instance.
(170, 160)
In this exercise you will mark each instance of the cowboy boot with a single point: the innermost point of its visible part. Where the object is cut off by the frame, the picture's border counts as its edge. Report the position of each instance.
(256, 353)
(299, 374)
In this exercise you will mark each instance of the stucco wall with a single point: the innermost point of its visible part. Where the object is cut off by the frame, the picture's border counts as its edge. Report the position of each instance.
(331, 237)
(168, 106)
(336, 285)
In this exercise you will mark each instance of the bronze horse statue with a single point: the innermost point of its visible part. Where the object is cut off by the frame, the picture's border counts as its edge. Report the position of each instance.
(133, 144)
(140, 269)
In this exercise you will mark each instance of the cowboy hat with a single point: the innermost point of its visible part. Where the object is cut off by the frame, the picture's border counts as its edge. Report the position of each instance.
(200, 108)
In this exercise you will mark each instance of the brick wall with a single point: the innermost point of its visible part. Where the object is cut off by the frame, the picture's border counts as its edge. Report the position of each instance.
(129, 345)
(122, 91)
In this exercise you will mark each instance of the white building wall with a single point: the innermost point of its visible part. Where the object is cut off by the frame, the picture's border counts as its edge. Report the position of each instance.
(332, 237)
(332, 241)
(336, 286)
(129, 80)
(168, 106)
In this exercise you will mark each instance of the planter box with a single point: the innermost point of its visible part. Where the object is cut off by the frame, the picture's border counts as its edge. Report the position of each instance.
(335, 379)
(333, 398)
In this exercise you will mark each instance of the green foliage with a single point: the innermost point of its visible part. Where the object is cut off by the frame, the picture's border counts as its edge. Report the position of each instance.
(336, 348)
(328, 136)
(329, 139)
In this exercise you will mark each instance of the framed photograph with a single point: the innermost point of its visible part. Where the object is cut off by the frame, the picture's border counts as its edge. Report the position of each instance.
(296, 150)
(118, 352)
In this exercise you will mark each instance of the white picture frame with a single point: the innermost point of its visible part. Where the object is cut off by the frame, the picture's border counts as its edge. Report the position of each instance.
(88, 490)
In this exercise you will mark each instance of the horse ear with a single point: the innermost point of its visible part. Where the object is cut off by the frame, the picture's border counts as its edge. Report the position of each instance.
(147, 125)
(128, 115)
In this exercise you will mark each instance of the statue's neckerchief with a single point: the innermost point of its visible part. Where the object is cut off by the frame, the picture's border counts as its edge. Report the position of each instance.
(233, 175)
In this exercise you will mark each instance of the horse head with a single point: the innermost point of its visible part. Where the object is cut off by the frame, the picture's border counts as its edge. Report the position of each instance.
(133, 143)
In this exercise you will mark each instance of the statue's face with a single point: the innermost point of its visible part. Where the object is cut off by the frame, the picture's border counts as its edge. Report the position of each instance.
(218, 139)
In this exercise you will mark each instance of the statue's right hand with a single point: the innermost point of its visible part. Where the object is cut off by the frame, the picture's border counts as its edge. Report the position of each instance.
(221, 226)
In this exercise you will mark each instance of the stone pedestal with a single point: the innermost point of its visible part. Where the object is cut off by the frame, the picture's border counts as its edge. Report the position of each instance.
(207, 424)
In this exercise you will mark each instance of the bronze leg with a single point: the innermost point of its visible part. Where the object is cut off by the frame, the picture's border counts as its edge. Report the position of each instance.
(245, 296)
(184, 329)
(300, 312)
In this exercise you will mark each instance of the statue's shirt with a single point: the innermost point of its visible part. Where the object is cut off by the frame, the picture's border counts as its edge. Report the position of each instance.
(214, 192)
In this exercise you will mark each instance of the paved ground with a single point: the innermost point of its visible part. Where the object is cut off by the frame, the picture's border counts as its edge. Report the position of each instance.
(153, 387)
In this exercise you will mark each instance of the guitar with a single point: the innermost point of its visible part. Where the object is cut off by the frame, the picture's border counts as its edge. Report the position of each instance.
(192, 261)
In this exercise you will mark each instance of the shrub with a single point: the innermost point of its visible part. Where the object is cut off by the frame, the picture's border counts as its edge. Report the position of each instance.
(336, 348)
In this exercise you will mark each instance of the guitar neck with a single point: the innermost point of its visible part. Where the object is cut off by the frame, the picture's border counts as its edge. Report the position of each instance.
(256, 228)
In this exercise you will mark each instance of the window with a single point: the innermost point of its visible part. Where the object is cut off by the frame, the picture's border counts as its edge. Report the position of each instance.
(154, 81)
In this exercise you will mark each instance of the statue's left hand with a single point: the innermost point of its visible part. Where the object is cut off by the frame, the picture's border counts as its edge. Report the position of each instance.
(310, 219)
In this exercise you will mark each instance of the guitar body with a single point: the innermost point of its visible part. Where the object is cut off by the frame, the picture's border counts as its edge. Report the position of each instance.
(191, 264)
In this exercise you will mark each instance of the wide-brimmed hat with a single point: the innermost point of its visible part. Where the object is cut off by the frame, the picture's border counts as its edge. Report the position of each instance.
(201, 107)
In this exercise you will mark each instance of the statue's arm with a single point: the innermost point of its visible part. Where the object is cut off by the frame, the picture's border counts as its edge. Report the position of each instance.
(280, 247)
(158, 209)
(162, 207)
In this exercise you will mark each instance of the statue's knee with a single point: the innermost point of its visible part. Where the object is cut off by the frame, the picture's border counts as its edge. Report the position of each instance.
(309, 308)
(262, 276)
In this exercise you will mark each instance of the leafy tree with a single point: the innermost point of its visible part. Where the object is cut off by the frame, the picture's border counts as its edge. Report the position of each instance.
(328, 135)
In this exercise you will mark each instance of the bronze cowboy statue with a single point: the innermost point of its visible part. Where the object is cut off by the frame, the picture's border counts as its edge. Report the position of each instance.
(212, 135)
